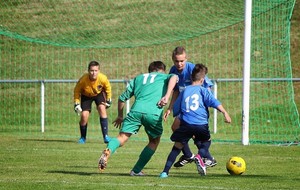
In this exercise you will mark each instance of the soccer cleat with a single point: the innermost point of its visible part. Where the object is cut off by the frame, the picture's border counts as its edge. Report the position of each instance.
(106, 139)
(132, 173)
(163, 175)
(209, 163)
(81, 140)
(200, 165)
(103, 159)
(183, 161)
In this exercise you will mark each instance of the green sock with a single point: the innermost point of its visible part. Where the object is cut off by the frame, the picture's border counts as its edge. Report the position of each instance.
(144, 158)
(113, 145)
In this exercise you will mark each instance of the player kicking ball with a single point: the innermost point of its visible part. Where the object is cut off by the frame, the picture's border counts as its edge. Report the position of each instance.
(192, 108)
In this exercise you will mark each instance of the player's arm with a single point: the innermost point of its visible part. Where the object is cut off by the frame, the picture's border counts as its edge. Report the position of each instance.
(171, 84)
(107, 90)
(170, 108)
(226, 115)
(126, 95)
(177, 105)
(118, 121)
(77, 89)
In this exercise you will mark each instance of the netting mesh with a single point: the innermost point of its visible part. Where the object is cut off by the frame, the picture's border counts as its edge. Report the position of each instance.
(43, 40)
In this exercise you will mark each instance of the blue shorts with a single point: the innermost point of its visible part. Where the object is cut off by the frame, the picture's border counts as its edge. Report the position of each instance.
(186, 131)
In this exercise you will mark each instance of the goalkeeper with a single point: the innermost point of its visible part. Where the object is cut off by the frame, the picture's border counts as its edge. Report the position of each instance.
(92, 87)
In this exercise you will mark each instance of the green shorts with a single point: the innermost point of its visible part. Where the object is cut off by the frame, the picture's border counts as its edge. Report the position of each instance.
(134, 120)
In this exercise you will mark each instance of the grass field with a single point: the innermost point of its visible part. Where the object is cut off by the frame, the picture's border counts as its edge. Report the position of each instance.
(40, 163)
(60, 163)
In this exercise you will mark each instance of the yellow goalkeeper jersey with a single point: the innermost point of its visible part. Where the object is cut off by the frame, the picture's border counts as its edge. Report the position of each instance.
(90, 88)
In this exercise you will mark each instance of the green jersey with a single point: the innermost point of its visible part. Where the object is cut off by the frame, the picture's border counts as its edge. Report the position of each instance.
(147, 89)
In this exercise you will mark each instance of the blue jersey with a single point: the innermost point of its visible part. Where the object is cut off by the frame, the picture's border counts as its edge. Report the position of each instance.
(192, 105)
(185, 77)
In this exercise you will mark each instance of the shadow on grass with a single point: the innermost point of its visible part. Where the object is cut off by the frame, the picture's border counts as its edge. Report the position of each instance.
(49, 140)
(187, 176)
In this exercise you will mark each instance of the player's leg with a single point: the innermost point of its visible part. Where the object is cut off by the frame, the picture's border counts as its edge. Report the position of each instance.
(203, 143)
(187, 156)
(208, 159)
(102, 116)
(145, 156)
(111, 147)
(153, 128)
(131, 125)
(176, 149)
(86, 103)
(181, 136)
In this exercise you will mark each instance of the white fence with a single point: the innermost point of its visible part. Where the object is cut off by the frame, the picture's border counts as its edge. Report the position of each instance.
(215, 90)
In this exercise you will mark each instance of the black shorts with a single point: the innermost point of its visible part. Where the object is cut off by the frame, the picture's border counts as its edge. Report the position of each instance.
(86, 102)
(186, 131)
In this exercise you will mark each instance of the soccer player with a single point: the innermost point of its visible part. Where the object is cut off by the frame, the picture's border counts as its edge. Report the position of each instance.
(92, 87)
(191, 107)
(184, 69)
(151, 91)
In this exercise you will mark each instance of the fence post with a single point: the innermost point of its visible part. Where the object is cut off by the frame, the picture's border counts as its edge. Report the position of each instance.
(42, 106)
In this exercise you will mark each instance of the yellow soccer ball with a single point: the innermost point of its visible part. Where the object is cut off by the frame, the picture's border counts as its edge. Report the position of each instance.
(236, 165)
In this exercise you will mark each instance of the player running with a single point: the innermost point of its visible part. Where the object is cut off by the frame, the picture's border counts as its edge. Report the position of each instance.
(151, 91)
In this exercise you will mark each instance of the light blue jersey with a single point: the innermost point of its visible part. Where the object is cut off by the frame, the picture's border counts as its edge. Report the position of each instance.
(185, 77)
(192, 105)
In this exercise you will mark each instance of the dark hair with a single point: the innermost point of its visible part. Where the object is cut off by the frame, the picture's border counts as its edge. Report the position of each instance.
(179, 50)
(206, 69)
(93, 63)
(156, 66)
(198, 72)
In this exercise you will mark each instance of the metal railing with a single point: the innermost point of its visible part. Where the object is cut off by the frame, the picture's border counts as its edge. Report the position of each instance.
(215, 90)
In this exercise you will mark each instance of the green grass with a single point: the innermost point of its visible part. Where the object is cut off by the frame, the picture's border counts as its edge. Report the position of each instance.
(46, 163)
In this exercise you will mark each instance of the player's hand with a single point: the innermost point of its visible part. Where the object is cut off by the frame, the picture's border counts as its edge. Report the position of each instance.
(162, 102)
(77, 108)
(166, 114)
(118, 121)
(227, 117)
(107, 103)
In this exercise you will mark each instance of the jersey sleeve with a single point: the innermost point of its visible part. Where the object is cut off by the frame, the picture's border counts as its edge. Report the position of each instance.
(107, 87)
(128, 93)
(207, 82)
(77, 90)
(209, 99)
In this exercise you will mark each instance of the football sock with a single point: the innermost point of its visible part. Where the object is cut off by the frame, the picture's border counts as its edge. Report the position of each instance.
(203, 149)
(104, 126)
(83, 130)
(187, 151)
(144, 158)
(113, 145)
(171, 159)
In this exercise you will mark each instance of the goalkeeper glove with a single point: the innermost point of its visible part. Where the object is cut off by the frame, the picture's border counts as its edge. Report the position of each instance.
(77, 108)
(108, 103)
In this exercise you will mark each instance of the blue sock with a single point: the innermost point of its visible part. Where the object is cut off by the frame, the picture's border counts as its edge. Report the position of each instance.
(203, 149)
(171, 159)
(104, 126)
(83, 130)
(187, 151)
